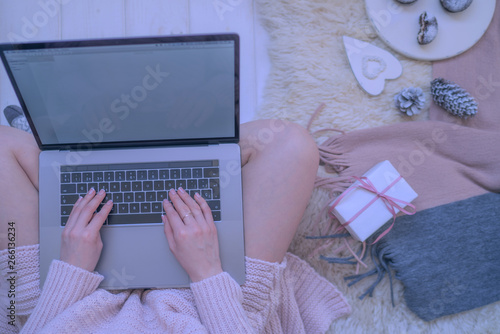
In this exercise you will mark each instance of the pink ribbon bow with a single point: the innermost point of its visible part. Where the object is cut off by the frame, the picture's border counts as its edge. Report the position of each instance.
(390, 202)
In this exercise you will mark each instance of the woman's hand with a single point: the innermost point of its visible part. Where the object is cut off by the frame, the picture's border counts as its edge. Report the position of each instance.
(81, 243)
(192, 235)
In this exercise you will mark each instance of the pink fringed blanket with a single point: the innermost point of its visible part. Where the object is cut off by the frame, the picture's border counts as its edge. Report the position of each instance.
(446, 159)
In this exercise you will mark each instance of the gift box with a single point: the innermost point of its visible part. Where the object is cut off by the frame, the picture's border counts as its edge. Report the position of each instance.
(373, 200)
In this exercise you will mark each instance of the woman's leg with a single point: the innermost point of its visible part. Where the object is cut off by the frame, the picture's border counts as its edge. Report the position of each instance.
(280, 162)
(18, 186)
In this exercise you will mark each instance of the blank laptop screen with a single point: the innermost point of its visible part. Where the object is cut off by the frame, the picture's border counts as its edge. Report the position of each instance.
(126, 93)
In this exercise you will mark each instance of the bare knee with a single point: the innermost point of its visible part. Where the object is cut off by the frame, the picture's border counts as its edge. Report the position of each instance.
(279, 139)
(12, 139)
(20, 148)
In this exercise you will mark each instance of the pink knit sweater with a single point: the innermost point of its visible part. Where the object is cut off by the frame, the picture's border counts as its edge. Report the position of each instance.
(289, 297)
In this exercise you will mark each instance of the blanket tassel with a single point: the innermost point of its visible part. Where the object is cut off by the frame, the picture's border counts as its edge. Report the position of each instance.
(333, 160)
(381, 267)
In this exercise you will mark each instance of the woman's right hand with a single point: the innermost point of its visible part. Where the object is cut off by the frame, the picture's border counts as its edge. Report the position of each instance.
(192, 235)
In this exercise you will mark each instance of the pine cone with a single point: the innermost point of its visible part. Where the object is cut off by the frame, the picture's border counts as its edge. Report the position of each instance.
(410, 100)
(453, 98)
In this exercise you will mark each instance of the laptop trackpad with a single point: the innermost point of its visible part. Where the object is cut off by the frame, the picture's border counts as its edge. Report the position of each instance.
(138, 257)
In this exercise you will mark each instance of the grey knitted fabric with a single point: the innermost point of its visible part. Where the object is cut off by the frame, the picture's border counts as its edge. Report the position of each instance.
(447, 257)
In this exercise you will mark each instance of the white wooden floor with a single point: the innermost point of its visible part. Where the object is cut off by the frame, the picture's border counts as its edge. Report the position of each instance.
(37, 20)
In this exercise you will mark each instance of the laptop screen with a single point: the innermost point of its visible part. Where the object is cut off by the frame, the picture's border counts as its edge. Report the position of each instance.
(137, 91)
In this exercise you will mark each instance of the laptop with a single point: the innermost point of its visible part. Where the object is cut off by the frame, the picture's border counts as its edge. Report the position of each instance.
(136, 117)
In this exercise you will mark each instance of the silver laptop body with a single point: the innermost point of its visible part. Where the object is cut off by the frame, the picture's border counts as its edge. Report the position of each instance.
(162, 107)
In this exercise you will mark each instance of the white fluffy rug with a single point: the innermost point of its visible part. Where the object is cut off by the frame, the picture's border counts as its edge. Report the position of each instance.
(309, 67)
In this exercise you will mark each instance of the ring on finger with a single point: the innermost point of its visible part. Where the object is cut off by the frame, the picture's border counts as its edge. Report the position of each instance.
(187, 215)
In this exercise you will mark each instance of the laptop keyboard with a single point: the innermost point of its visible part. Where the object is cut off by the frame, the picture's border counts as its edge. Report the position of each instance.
(138, 189)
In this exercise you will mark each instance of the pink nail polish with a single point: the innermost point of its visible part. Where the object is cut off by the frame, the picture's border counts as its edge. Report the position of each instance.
(182, 191)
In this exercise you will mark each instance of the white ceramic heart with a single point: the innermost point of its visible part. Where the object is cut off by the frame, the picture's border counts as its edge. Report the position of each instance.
(371, 65)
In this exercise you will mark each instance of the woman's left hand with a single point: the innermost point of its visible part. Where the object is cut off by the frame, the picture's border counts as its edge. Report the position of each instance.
(81, 243)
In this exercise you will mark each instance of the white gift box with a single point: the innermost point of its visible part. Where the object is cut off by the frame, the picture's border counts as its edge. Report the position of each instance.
(352, 201)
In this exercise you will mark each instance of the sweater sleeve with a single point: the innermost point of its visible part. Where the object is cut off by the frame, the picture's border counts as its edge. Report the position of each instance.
(65, 285)
(19, 286)
(219, 301)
